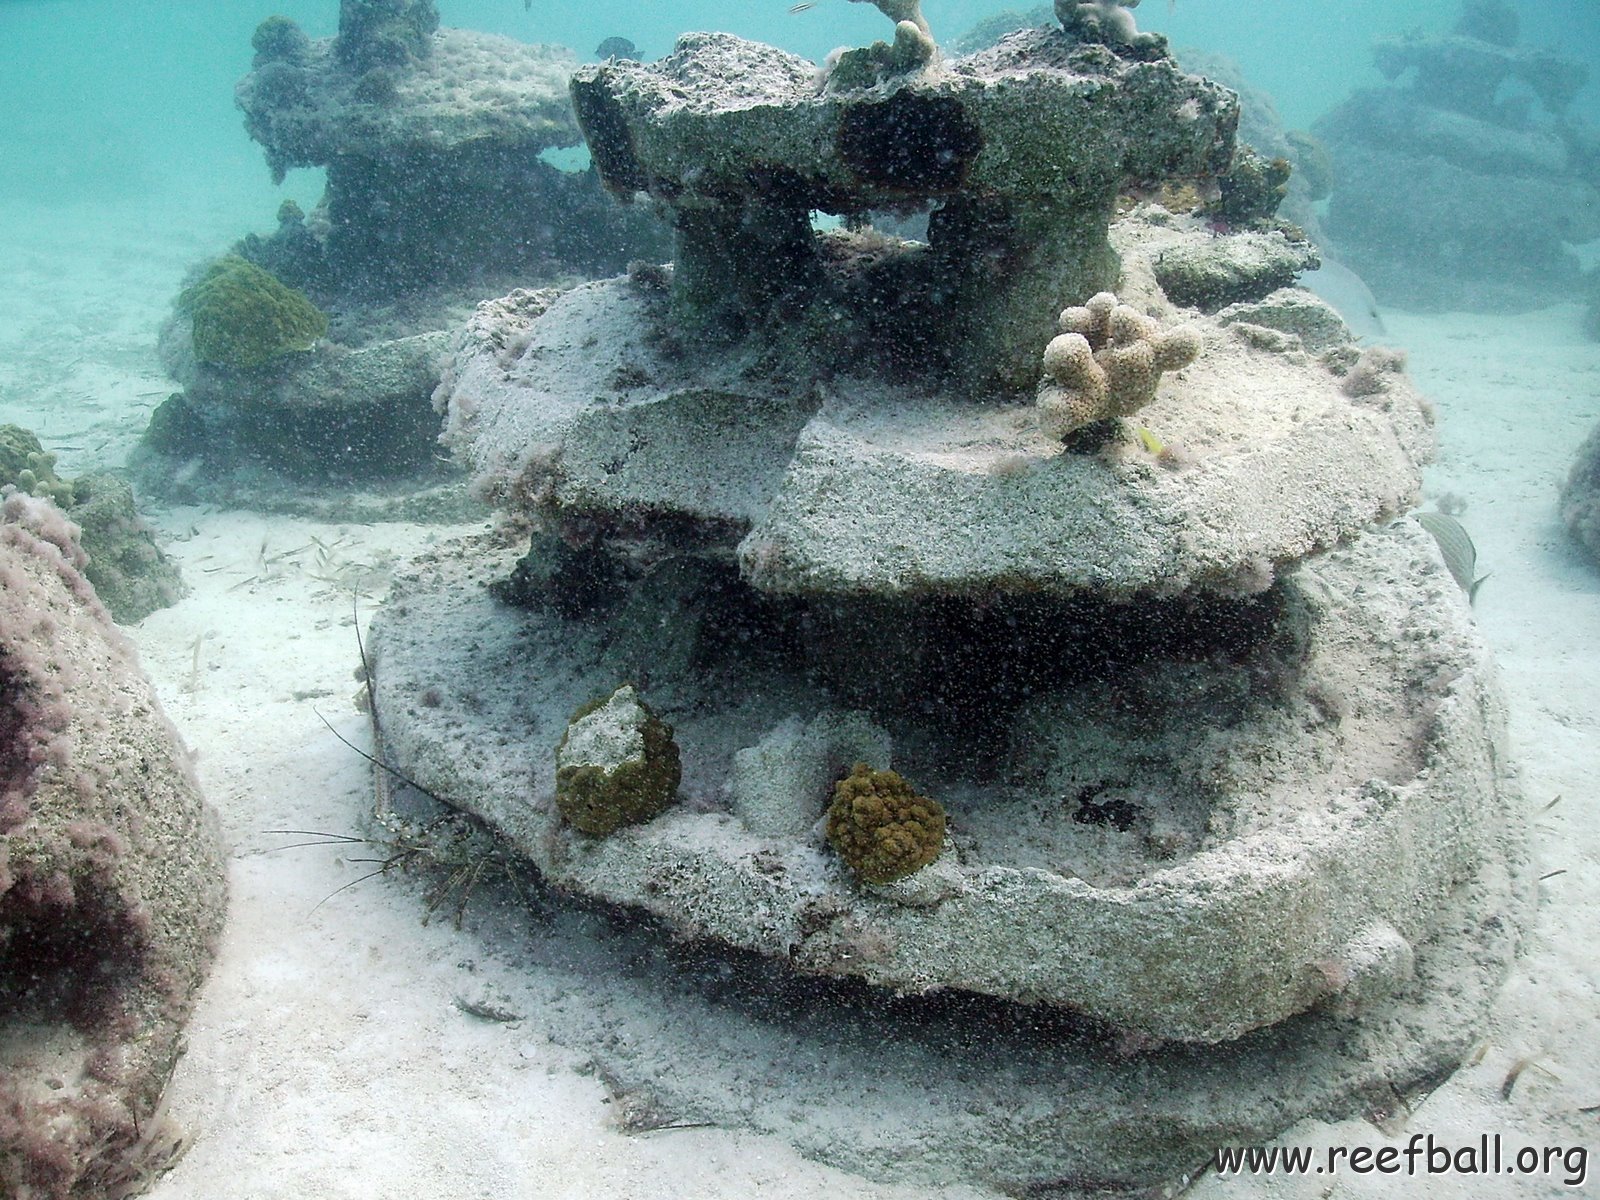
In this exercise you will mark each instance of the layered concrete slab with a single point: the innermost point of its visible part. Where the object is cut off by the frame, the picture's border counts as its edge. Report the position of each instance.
(1170, 849)
(841, 484)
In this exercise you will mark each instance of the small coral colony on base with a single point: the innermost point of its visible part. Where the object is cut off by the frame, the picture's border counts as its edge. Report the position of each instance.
(954, 572)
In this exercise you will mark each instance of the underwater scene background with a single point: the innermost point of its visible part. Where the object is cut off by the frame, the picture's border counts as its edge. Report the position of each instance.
(109, 100)
(1245, 647)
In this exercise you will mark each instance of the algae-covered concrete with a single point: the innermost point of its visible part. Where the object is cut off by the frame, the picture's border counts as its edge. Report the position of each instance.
(111, 880)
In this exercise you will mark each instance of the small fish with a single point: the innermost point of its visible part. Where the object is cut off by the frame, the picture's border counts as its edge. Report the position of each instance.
(800, 8)
(617, 47)
(1149, 440)
(485, 1011)
(1456, 548)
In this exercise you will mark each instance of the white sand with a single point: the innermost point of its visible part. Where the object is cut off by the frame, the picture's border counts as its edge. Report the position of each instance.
(328, 1056)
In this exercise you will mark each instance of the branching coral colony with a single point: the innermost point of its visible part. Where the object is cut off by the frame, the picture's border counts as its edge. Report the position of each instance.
(1106, 364)
(953, 704)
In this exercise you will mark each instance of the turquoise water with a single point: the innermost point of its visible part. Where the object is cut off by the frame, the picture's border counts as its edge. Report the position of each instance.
(105, 100)
(124, 162)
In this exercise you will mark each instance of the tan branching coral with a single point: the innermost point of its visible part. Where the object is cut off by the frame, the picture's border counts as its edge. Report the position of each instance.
(912, 49)
(1110, 23)
(1106, 364)
(901, 10)
(881, 828)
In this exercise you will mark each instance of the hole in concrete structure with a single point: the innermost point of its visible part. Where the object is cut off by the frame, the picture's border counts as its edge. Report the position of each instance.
(606, 130)
(919, 145)
(974, 661)
(570, 160)
(1095, 807)
(67, 953)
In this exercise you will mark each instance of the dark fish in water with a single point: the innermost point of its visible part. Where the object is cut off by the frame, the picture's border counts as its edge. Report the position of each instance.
(794, 8)
(1456, 548)
(618, 47)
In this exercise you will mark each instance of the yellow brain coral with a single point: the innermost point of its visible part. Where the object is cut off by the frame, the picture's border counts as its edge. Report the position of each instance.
(881, 828)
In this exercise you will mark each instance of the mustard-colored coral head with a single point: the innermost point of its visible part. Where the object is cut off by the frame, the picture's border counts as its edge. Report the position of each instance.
(881, 828)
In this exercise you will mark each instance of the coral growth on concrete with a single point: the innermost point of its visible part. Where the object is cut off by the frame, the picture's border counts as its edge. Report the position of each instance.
(881, 828)
(617, 765)
(984, 138)
(432, 141)
(28, 467)
(1106, 363)
(1251, 189)
(901, 10)
(1190, 725)
(384, 33)
(111, 879)
(243, 318)
(130, 573)
(337, 416)
(1110, 23)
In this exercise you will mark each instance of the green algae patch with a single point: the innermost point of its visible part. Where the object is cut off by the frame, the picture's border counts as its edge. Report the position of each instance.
(244, 317)
(617, 765)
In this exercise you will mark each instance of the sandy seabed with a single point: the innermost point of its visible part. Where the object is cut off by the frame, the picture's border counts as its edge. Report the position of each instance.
(331, 1054)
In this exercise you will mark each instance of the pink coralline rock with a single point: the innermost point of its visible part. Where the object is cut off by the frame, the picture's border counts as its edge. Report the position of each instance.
(111, 879)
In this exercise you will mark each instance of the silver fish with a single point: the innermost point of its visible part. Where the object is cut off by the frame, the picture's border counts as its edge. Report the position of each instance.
(1456, 548)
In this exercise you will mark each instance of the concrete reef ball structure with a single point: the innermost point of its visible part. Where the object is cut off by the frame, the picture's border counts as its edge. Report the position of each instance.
(1465, 181)
(111, 879)
(432, 140)
(1176, 742)
(1023, 147)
